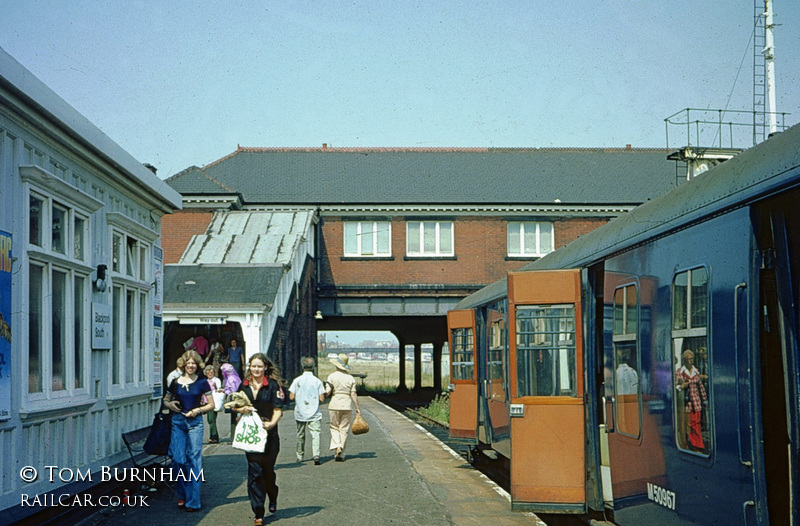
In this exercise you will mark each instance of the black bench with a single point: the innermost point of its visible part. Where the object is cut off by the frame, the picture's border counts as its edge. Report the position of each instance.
(135, 440)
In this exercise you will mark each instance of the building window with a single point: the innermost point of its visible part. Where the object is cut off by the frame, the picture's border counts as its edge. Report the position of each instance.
(529, 238)
(545, 339)
(463, 354)
(367, 238)
(690, 359)
(626, 360)
(429, 238)
(132, 304)
(58, 221)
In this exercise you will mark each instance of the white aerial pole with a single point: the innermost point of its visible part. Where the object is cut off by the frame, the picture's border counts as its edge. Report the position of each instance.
(769, 56)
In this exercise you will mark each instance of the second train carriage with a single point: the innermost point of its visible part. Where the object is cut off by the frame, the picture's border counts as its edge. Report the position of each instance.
(649, 371)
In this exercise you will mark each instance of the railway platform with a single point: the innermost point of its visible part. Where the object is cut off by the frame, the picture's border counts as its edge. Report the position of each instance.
(397, 473)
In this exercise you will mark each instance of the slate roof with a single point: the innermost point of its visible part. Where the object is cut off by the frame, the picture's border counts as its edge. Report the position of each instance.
(327, 176)
(216, 285)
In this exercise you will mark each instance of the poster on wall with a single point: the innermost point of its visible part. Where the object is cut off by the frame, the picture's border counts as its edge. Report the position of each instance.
(158, 275)
(5, 325)
(157, 359)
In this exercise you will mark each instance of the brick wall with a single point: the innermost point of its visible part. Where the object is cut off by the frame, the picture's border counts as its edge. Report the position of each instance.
(296, 332)
(480, 254)
(177, 230)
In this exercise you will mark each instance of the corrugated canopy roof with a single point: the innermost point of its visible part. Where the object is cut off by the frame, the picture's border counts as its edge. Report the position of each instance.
(249, 237)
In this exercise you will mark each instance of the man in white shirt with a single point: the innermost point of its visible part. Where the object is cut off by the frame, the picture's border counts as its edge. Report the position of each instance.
(307, 391)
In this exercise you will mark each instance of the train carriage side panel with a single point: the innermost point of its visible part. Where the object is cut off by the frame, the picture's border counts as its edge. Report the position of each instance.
(548, 421)
(464, 385)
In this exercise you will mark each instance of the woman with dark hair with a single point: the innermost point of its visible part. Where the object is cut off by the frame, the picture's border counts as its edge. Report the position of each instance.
(263, 387)
(185, 398)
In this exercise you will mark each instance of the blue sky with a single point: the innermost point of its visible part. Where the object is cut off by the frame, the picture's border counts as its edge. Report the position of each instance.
(183, 83)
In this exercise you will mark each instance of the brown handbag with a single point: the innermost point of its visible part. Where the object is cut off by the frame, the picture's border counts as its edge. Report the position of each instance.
(359, 426)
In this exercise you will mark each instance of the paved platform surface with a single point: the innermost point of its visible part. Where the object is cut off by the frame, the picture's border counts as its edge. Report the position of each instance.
(395, 474)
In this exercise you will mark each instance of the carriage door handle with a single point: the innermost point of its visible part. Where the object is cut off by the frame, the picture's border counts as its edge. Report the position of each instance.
(742, 286)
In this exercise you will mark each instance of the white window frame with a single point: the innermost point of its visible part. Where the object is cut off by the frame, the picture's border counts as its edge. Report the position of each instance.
(366, 241)
(74, 204)
(131, 275)
(525, 251)
(438, 250)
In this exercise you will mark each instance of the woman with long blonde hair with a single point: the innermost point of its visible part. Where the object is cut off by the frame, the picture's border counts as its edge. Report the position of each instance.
(185, 399)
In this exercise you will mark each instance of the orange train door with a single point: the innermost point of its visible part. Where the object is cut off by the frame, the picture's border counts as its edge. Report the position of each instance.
(547, 407)
(463, 382)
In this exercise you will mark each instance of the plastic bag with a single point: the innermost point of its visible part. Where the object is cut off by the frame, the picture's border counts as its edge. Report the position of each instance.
(250, 434)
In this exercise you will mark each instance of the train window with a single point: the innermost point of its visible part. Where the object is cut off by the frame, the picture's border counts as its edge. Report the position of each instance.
(463, 354)
(626, 361)
(690, 360)
(496, 347)
(546, 350)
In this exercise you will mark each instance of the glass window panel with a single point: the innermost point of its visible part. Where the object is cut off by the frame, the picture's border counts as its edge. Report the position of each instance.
(699, 300)
(545, 238)
(143, 266)
(383, 238)
(132, 256)
(59, 329)
(35, 310)
(351, 238)
(79, 318)
(116, 255)
(679, 300)
(414, 238)
(530, 238)
(367, 238)
(145, 345)
(463, 354)
(116, 343)
(59, 230)
(619, 313)
(445, 238)
(35, 212)
(80, 239)
(130, 335)
(632, 318)
(692, 407)
(545, 339)
(514, 247)
(429, 237)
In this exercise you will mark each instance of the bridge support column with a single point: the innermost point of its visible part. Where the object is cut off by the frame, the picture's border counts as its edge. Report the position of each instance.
(437, 366)
(417, 366)
(401, 384)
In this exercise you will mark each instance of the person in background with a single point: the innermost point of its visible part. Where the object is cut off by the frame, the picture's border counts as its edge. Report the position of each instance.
(307, 392)
(199, 344)
(215, 355)
(214, 382)
(691, 382)
(263, 388)
(185, 398)
(343, 387)
(177, 373)
(231, 382)
(235, 357)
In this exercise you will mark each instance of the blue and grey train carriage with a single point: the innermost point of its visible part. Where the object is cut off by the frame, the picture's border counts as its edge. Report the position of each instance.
(648, 373)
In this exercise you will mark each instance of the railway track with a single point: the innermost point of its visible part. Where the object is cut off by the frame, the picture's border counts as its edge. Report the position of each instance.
(496, 468)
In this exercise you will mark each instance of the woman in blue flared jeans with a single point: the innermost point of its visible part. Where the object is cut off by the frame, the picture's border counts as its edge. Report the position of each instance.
(185, 398)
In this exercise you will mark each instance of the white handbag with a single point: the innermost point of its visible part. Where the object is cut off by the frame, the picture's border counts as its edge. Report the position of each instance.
(219, 400)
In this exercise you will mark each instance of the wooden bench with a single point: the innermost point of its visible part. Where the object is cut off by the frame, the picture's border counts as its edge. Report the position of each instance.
(135, 440)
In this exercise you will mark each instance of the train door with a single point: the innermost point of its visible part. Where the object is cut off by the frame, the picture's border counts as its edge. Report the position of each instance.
(547, 393)
(495, 379)
(778, 362)
(464, 385)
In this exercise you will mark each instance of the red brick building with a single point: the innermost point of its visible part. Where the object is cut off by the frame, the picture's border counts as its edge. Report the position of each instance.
(400, 235)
